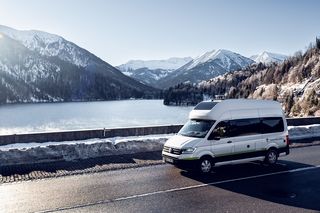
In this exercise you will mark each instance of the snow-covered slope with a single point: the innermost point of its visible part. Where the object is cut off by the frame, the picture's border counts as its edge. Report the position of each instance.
(225, 59)
(50, 45)
(267, 57)
(40, 67)
(166, 64)
(206, 66)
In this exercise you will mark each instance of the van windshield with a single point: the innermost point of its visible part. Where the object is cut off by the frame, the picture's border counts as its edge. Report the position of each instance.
(196, 128)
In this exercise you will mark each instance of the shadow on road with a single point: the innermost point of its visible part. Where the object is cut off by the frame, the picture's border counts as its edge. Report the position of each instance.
(69, 166)
(298, 189)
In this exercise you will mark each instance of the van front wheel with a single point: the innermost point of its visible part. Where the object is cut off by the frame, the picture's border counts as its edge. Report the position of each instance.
(205, 165)
(271, 157)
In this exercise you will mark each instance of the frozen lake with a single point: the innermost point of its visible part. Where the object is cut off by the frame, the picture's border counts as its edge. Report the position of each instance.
(26, 118)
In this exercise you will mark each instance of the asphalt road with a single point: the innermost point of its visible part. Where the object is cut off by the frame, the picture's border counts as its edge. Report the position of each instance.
(293, 185)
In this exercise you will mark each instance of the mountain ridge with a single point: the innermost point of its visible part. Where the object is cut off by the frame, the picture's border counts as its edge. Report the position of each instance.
(90, 78)
(206, 66)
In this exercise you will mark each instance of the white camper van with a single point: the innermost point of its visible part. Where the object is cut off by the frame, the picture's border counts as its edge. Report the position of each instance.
(227, 132)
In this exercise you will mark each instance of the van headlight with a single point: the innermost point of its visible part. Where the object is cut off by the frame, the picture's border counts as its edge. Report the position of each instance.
(188, 150)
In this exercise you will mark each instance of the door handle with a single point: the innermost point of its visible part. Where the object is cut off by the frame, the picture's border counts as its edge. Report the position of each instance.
(229, 142)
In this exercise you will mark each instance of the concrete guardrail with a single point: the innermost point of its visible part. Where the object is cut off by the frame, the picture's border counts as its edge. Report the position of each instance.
(121, 132)
(87, 134)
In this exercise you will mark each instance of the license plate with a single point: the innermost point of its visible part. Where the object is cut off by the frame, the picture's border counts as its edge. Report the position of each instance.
(169, 160)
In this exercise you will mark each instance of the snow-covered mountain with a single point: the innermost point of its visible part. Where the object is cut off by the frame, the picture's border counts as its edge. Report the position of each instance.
(38, 66)
(50, 45)
(224, 58)
(166, 64)
(206, 66)
(150, 72)
(267, 57)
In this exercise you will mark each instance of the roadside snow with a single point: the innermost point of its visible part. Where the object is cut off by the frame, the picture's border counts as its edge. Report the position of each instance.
(74, 150)
(92, 148)
(113, 141)
(304, 132)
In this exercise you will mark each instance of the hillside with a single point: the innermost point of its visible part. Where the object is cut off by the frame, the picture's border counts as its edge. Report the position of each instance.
(295, 83)
(37, 66)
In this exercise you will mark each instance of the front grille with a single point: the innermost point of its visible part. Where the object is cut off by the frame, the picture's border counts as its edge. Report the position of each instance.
(172, 150)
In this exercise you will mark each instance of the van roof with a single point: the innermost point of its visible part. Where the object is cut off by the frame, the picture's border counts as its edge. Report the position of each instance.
(232, 108)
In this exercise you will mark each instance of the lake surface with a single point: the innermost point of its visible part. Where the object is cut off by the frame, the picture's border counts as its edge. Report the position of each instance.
(27, 118)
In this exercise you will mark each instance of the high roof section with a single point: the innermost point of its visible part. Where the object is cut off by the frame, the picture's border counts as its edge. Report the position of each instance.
(235, 108)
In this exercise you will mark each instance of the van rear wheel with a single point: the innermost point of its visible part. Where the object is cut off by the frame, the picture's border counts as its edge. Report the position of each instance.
(205, 165)
(271, 157)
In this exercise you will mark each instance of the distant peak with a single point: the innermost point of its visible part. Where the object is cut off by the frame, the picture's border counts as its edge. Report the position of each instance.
(222, 54)
(167, 64)
(223, 51)
(268, 57)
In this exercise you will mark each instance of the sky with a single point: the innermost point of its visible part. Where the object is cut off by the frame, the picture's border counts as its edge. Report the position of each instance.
(121, 30)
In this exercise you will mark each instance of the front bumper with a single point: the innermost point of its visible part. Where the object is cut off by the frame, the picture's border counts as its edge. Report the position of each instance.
(190, 163)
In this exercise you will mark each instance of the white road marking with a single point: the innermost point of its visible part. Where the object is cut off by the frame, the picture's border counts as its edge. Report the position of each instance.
(179, 189)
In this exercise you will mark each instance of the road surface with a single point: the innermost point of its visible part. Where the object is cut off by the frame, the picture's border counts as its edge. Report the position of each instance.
(293, 185)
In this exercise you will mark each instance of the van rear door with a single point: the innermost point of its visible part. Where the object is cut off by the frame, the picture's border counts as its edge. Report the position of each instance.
(273, 130)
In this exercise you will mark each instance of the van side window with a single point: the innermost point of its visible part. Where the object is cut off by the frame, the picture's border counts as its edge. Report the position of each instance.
(244, 127)
(220, 131)
(272, 124)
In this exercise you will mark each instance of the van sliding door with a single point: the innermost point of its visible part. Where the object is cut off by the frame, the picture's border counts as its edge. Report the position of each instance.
(245, 135)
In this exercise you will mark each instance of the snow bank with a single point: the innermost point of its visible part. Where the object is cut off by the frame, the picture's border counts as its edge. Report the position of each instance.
(304, 132)
(74, 150)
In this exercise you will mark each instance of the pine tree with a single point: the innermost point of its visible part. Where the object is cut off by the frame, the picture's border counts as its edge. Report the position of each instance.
(318, 42)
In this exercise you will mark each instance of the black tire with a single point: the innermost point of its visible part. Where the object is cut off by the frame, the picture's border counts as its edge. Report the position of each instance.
(271, 156)
(205, 165)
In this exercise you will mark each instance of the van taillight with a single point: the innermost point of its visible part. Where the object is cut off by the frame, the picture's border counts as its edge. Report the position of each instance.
(287, 140)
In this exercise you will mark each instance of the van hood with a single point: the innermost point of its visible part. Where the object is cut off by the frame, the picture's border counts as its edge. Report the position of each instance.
(179, 141)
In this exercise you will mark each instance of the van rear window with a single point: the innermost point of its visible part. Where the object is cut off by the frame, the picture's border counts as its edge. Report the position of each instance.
(270, 125)
(205, 105)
